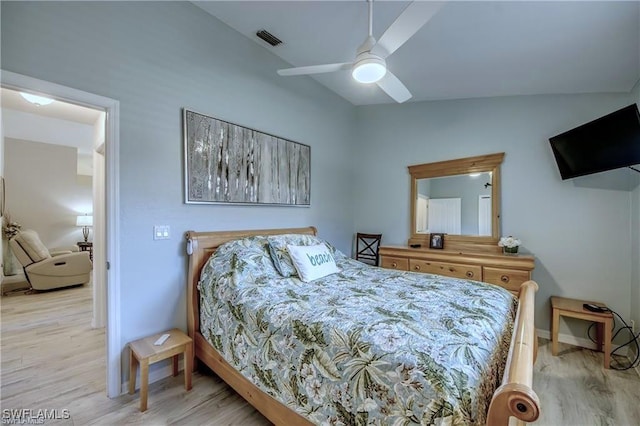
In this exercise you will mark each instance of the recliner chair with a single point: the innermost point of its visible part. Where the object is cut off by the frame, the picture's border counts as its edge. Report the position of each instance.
(48, 270)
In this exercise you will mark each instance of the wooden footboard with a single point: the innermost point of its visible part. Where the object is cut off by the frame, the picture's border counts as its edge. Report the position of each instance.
(514, 398)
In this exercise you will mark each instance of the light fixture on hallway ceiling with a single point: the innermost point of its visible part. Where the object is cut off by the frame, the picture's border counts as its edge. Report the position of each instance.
(36, 100)
(85, 221)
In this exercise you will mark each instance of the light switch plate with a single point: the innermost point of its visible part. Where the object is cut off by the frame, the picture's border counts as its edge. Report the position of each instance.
(161, 232)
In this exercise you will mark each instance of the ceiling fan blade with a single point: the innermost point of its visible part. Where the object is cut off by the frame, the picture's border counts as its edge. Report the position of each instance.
(394, 87)
(412, 18)
(315, 69)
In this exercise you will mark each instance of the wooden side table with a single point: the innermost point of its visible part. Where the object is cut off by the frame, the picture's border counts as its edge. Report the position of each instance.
(572, 308)
(144, 352)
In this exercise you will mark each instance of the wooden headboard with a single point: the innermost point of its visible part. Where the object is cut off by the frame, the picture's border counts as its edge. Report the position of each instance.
(201, 245)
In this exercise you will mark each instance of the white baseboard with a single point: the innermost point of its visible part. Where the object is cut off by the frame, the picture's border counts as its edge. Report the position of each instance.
(154, 375)
(569, 339)
(585, 343)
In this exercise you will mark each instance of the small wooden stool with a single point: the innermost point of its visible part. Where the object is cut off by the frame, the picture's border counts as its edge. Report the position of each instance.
(144, 352)
(561, 306)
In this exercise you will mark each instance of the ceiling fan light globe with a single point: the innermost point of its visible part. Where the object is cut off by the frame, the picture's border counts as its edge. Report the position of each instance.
(369, 70)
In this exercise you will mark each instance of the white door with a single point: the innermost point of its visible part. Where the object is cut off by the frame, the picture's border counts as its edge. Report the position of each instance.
(445, 215)
(422, 207)
(484, 215)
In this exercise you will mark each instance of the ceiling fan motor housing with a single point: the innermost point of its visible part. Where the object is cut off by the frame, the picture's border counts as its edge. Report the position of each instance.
(368, 67)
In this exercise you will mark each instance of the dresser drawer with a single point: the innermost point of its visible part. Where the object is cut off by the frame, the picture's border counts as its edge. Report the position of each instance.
(456, 270)
(507, 278)
(399, 263)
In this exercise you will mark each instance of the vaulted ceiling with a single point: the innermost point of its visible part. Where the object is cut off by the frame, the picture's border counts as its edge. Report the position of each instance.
(467, 50)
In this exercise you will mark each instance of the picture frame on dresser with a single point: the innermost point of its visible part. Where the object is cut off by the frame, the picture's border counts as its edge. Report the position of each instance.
(436, 241)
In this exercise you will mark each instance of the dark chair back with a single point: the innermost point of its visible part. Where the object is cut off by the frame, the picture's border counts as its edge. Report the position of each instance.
(367, 248)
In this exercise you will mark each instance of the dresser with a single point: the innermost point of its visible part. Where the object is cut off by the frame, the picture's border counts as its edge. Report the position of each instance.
(508, 271)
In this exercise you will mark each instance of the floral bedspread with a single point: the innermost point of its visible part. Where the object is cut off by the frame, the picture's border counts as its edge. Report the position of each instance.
(362, 346)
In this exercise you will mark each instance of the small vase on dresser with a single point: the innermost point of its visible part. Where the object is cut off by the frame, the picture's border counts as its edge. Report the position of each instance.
(509, 245)
(510, 250)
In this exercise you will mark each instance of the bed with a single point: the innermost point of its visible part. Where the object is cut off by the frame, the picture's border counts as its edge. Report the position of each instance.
(378, 380)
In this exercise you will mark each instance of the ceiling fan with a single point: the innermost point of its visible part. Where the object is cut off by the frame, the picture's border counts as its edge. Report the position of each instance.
(369, 65)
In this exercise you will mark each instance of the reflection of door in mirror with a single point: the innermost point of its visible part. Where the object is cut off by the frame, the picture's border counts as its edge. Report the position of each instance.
(484, 215)
(470, 217)
(445, 215)
(422, 214)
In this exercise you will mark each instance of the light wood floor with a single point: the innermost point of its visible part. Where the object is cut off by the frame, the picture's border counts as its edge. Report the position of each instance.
(52, 359)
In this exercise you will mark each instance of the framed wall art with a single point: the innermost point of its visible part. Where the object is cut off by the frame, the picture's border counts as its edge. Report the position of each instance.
(231, 164)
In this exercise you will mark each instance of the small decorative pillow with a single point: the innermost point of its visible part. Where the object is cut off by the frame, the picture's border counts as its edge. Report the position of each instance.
(279, 254)
(312, 262)
(281, 260)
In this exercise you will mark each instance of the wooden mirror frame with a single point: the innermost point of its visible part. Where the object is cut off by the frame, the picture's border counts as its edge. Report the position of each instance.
(483, 163)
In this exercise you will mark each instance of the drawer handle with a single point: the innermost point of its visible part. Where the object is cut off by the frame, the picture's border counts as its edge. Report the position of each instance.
(394, 265)
(451, 270)
(417, 267)
(469, 274)
(504, 278)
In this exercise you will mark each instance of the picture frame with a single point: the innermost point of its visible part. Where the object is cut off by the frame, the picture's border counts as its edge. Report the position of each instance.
(436, 241)
(225, 163)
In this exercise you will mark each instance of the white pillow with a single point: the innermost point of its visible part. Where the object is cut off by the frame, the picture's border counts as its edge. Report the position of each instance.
(312, 262)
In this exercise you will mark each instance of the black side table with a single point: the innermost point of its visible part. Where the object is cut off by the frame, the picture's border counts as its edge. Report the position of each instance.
(86, 246)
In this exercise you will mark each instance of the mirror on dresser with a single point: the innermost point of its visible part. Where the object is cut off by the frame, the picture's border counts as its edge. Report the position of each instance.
(460, 198)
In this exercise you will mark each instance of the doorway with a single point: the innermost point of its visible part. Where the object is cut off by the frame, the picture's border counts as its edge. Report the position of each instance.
(53, 178)
(105, 226)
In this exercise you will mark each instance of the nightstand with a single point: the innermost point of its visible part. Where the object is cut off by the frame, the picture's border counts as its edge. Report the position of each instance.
(564, 307)
(144, 353)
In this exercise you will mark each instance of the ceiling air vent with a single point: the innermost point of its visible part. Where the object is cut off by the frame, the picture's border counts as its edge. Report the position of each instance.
(268, 37)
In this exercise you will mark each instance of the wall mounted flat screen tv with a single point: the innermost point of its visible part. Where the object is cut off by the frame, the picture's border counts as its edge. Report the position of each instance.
(608, 143)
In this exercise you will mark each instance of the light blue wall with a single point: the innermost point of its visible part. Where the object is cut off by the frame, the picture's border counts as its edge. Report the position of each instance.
(635, 257)
(635, 239)
(580, 236)
(156, 58)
